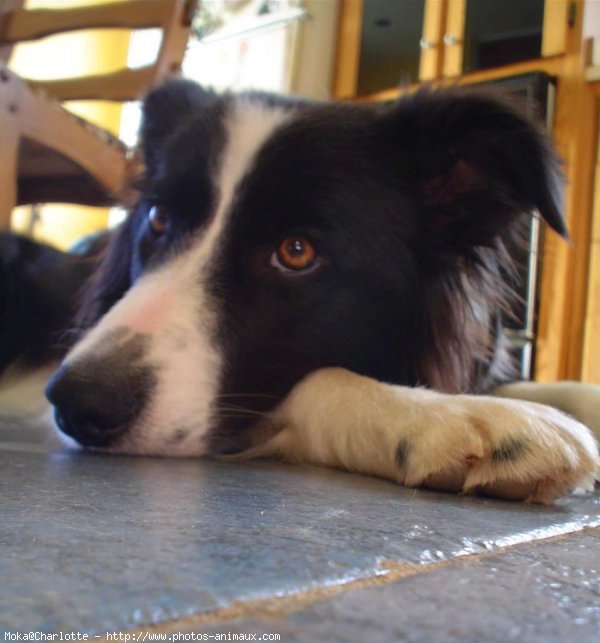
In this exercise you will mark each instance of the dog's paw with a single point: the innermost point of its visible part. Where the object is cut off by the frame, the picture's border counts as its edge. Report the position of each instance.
(503, 448)
(417, 437)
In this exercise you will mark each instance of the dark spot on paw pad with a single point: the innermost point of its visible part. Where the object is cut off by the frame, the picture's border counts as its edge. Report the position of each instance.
(402, 453)
(509, 450)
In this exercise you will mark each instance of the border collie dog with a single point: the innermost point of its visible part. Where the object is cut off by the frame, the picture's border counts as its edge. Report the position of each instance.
(318, 282)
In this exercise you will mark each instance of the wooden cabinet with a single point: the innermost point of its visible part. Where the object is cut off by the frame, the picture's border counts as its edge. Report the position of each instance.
(387, 43)
(464, 41)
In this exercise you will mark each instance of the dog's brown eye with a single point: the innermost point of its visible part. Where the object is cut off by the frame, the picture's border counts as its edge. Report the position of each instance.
(158, 219)
(296, 253)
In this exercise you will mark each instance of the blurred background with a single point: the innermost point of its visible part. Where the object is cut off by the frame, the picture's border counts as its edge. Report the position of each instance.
(544, 53)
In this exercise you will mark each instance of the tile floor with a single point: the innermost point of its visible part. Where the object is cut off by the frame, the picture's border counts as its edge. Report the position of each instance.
(100, 544)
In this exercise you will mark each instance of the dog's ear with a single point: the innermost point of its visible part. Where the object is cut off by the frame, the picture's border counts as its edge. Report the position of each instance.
(165, 110)
(111, 280)
(477, 164)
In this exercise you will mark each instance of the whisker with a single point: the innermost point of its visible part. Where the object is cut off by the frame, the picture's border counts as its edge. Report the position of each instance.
(239, 409)
(74, 330)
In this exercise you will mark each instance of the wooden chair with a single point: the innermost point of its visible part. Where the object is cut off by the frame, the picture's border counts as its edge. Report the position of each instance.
(46, 153)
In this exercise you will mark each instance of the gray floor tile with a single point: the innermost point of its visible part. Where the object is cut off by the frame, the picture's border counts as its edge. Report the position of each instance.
(91, 542)
(546, 593)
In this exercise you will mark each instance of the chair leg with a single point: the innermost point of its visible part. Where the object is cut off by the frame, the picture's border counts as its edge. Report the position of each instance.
(9, 147)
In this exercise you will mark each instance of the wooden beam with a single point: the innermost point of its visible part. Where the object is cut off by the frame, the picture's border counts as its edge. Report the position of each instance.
(432, 42)
(559, 345)
(555, 27)
(454, 38)
(590, 371)
(348, 49)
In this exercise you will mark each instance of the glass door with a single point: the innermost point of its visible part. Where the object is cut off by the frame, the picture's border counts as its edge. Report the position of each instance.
(390, 44)
(502, 32)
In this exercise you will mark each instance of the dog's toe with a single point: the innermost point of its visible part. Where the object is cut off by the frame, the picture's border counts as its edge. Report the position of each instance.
(501, 448)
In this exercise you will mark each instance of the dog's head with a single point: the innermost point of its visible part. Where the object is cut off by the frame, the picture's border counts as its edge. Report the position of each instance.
(277, 236)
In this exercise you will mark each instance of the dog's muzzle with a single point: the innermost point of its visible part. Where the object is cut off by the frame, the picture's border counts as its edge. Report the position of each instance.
(97, 399)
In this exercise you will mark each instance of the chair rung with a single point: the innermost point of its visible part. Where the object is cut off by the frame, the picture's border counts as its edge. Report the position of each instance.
(23, 24)
(122, 85)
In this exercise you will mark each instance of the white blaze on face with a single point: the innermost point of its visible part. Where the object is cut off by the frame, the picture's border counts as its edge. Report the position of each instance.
(172, 306)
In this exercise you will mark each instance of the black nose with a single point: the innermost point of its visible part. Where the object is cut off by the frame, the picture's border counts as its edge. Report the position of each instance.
(96, 403)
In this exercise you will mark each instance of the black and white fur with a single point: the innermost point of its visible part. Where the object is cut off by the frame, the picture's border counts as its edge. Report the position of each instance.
(198, 340)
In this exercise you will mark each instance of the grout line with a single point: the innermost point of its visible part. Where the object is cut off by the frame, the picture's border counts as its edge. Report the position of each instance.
(274, 607)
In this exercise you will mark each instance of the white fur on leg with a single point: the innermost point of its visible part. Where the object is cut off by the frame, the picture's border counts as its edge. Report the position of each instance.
(417, 437)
